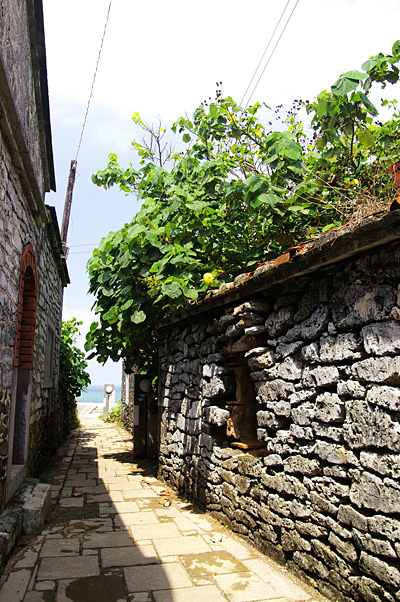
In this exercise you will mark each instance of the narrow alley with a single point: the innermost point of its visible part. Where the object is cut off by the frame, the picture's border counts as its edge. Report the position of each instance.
(116, 534)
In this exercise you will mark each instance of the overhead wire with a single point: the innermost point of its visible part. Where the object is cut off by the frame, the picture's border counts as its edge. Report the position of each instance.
(265, 51)
(273, 51)
(88, 244)
(94, 79)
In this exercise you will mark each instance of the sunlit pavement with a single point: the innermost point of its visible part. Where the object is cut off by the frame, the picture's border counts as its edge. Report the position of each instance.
(116, 533)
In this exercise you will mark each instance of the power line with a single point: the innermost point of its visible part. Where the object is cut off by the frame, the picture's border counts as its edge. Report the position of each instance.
(272, 53)
(88, 244)
(264, 53)
(94, 79)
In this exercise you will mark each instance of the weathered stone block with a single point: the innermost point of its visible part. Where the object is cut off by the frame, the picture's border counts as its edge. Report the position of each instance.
(287, 484)
(211, 370)
(378, 370)
(309, 563)
(344, 548)
(342, 348)
(335, 454)
(256, 305)
(380, 495)
(310, 530)
(366, 426)
(322, 504)
(303, 395)
(387, 397)
(330, 558)
(370, 590)
(385, 464)
(242, 483)
(374, 545)
(325, 376)
(274, 390)
(327, 432)
(357, 305)
(292, 541)
(328, 488)
(382, 338)
(299, 510)
(290, 369)
(279, 504)
(226, 475)
(246, 342)
(329, 408)
(299, 464)
(350, 516)
(303, 414)
(283, 350)
(310, 353)
(311, 328)
(273, 460)
(216, 415)
(218, 386)
(269, 420)
(380, 569)
(351, 388)
(280, 408)
(279, 321)
(385, 526)
(235, 330)
(301, 432)
(264, 360)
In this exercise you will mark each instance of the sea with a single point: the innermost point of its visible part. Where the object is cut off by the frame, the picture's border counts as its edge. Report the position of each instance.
(95, 394)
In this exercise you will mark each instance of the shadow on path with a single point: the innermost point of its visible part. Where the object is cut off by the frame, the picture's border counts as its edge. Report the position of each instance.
(116, 534)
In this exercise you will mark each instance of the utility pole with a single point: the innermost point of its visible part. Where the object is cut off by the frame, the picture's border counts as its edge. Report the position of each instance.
(67, 206)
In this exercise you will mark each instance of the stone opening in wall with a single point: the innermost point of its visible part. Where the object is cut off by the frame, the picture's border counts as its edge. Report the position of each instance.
(242, 423)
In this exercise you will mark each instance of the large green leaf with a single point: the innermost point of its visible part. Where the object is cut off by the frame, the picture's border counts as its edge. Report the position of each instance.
(356, 75)
(138, 317)
(344, 85)
(372, 110)
(291, 150)
(366, 138)
(172, 290)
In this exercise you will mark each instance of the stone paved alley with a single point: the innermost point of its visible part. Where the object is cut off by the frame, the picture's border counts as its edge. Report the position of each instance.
(116, 534)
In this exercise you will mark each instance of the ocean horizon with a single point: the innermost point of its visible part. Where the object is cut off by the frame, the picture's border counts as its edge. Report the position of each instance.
(95, 393)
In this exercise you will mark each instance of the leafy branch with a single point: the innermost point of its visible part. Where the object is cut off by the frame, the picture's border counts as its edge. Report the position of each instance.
(238, 194)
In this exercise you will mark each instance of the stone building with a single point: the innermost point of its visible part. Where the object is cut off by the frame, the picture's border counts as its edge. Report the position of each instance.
(32, 267)
(279, 409)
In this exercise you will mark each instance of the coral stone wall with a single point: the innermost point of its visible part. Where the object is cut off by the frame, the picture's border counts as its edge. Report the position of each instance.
(315, 367)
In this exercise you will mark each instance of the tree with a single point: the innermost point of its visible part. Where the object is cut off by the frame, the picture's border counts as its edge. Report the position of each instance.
(238, 195)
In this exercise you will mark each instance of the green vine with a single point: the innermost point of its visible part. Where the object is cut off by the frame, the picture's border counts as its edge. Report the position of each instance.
(239, 194)
(73, 376)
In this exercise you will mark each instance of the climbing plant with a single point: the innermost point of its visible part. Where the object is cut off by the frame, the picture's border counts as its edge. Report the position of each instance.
(73, 375)
(240, 193)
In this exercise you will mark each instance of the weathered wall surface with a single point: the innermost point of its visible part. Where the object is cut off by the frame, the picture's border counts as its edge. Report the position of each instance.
(315, 362)
(17, 228)
(18, 78)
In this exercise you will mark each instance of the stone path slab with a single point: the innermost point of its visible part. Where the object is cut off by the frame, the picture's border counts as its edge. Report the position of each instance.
(117, 534)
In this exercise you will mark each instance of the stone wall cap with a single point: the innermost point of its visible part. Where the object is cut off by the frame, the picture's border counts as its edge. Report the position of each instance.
(329, 248)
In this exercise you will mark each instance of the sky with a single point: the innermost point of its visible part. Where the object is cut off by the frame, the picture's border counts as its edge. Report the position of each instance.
(162, 59)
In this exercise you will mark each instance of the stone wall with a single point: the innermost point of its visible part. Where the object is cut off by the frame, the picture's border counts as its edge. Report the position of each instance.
(48, 418)
(24, 90)
(314, 362)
